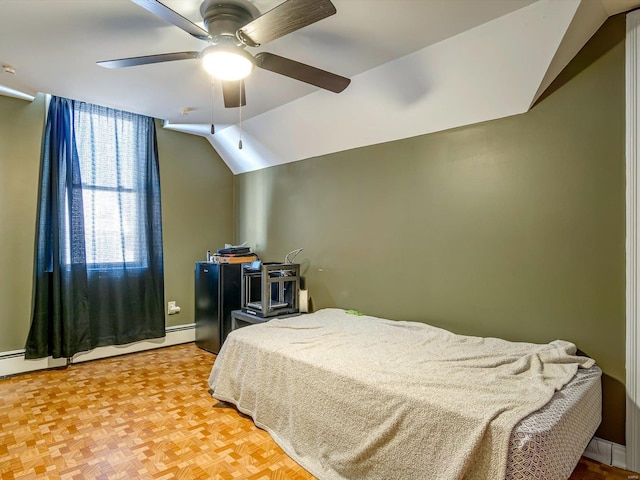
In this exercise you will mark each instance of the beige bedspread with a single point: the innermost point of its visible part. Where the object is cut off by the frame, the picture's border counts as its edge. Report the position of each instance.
(357, 397)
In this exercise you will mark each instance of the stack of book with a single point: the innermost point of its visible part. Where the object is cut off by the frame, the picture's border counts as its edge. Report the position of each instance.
(234, 255)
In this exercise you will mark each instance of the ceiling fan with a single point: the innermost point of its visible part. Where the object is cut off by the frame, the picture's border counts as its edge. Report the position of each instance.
(232, 25)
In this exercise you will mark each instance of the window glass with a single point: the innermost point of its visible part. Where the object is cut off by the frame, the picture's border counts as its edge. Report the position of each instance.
(112, 168)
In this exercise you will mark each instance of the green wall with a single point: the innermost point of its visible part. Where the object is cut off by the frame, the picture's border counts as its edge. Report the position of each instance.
(197, 213)
(512, 228)
(197, 196)
(21, 125)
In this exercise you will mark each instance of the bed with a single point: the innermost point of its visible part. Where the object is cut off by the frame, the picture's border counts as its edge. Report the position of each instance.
(354, 397)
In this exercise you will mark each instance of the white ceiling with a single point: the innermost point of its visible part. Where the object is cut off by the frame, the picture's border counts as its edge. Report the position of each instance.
(408, 60)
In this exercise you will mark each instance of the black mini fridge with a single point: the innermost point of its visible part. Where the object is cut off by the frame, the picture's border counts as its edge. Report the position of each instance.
(217, 293)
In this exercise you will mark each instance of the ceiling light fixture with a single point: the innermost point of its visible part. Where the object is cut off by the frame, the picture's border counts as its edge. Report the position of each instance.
(225, 63)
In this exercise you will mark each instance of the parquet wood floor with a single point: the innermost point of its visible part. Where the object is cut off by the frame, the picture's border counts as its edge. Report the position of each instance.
(144, 416)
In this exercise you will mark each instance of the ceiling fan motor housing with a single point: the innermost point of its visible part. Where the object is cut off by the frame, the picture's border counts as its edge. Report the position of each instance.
(222, 20)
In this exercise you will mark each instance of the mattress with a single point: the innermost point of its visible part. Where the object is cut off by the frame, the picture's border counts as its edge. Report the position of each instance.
(343, 397)
(547, 444)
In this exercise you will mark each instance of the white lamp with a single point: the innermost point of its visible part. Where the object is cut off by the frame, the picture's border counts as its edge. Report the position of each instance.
(227, 63)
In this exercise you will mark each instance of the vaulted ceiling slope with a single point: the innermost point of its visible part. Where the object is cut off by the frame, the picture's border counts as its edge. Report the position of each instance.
(417, 66)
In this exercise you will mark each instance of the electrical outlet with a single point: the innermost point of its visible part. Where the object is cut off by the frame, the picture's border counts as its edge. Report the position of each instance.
(171, 305)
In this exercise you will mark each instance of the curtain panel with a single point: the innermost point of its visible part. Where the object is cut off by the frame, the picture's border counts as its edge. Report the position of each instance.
(99, 276)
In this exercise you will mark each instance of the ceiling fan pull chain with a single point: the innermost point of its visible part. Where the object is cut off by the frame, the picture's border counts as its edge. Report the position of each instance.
(213, 96)
(240, 136)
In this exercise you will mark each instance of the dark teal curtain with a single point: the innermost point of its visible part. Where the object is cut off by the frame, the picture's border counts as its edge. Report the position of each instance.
(99, 264)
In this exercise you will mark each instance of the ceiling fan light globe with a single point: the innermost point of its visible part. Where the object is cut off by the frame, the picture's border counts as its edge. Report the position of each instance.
(228, 65)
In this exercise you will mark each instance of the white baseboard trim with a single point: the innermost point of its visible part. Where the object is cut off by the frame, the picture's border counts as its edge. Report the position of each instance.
(607, 452)
(13, 363)
(619, 456)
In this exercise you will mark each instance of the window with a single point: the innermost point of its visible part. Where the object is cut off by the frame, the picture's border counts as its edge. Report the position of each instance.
(111, 150)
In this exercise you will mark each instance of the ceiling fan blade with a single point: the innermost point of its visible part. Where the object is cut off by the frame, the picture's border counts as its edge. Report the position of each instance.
(171, 16)
(300, 71)
(287, 17)
(233, 93)
(148, 59)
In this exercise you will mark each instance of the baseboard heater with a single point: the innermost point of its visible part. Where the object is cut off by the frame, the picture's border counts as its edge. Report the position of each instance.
(13, 362)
